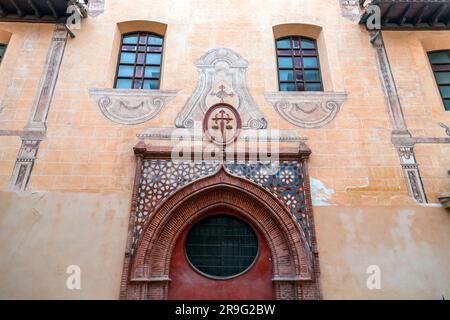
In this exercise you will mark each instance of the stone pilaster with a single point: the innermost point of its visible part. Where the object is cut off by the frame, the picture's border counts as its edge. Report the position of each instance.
(401, 137)
(49, 77)
(36, 128)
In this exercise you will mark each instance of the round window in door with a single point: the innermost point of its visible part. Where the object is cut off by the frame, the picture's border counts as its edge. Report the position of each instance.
(221, 247)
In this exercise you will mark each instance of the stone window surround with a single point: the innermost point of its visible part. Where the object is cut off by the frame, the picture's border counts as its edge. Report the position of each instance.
(330, 80)
(5, 37)
(429, 46)
(126, 27)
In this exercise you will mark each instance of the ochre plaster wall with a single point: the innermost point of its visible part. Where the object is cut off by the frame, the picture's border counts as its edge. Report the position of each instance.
(45, 233)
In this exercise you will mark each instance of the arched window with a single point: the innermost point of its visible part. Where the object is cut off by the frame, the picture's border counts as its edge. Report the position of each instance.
(440, 62)
(221, 246)
(140, 59)
(2, 51)
(298, 64)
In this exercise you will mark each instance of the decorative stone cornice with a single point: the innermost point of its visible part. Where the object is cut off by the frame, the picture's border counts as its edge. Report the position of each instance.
(307, 109)
(128, 106)
(44, 96)
(186, 134)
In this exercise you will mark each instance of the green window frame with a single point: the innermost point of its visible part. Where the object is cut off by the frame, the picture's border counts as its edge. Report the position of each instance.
(221, 246)
(298, 64)
(2, 51)
(140, 61)
(440, 63)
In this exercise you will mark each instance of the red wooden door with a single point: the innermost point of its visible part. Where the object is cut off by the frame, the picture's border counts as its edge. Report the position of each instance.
(188, 284)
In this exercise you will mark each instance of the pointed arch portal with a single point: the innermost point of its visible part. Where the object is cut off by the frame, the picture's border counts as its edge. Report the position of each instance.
(156, 268)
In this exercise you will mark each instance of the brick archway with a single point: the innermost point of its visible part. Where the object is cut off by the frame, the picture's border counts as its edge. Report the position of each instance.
(146, 273)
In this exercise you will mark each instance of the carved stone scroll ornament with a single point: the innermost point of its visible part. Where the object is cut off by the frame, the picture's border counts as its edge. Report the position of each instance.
(222, 79)
(307, 109)
(131, 106)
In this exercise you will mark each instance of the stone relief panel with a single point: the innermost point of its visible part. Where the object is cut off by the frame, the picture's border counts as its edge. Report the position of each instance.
(350, 9)
(96, 7)
(222, 79)
(131, 106)
(307, 109)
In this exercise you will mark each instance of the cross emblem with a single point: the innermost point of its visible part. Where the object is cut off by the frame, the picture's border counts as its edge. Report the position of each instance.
(222, 94)
(223, 119)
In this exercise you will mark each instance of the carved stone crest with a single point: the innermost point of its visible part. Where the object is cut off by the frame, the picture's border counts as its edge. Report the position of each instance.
(222, 76)
(96, 7)
(222, 124)
(131, 106)
(307, 109)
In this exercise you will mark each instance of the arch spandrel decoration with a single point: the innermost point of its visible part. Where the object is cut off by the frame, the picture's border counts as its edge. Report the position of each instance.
(222, 79)
(169, 195)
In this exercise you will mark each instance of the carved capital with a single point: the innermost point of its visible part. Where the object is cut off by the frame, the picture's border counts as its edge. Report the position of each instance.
(131, 106)
(307, 109)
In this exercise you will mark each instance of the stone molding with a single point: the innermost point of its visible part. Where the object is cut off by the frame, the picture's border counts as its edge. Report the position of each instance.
(130, 107)
(222, 79)
(179, 134)
(307, 109)
(47, 84)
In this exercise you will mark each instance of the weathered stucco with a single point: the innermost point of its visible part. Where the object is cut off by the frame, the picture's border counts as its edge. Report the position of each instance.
(409, 244)
(43, 233)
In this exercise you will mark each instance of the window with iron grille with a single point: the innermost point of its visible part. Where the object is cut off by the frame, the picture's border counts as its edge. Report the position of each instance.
(221, 246)
(298, 64)
(2, 51)
(140, 60)
(440, 62)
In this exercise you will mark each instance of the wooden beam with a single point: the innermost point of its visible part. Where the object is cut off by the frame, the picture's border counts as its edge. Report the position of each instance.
(437, 14)
(19, 11)
(2, 11)
(420, 16)
(52, 8)
(35, 9)
(385, 18)
(404, 14)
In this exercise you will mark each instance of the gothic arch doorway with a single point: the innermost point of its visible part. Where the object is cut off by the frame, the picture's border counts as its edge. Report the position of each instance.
(149, 270)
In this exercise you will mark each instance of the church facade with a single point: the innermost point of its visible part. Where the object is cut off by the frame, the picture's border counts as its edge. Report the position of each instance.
(293, 149)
